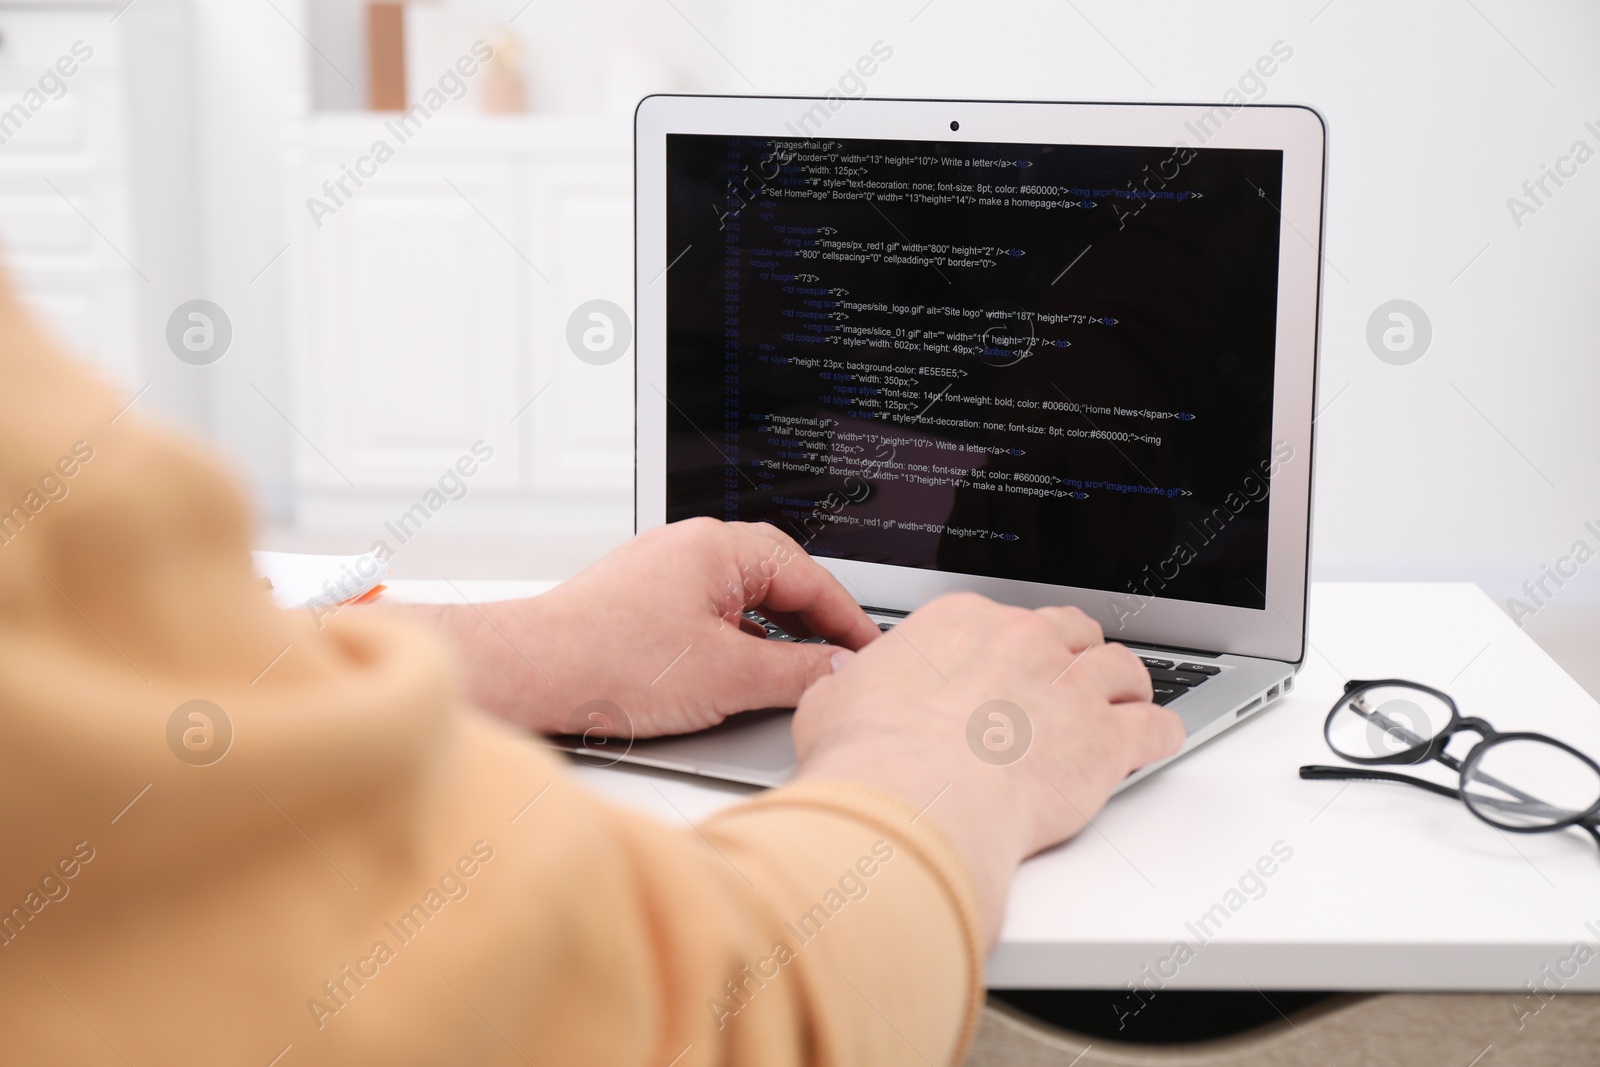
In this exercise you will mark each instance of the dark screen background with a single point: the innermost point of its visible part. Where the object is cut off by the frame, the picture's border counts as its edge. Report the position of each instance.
(1047, 363)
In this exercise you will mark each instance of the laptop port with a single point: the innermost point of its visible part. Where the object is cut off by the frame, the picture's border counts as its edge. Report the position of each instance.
(1248, 708)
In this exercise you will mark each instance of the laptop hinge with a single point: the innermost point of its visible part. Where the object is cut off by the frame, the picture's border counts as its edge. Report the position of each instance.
(1204, 653)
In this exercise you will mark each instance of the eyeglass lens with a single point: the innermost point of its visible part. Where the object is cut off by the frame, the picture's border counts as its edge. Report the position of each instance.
(1520, 782)
(1387, 721)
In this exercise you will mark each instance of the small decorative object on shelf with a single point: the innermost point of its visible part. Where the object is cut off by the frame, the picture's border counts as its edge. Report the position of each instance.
(504, 88)
(386, 57)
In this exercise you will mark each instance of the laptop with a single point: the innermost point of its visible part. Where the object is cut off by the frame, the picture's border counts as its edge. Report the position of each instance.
(1053, 353)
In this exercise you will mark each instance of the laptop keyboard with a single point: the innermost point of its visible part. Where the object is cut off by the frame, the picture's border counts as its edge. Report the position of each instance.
(1169, 678)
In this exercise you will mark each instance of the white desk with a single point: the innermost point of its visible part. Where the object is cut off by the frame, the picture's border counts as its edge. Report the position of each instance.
(1388, 888)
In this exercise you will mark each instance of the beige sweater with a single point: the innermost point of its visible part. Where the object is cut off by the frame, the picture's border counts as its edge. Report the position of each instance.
(375, 872)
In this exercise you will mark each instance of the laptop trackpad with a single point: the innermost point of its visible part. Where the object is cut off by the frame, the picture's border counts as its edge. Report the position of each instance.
(754, 747)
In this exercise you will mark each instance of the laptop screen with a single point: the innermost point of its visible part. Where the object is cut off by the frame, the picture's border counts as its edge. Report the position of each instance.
(1048, 363)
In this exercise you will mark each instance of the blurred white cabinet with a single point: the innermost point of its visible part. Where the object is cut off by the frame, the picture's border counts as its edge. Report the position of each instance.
(432, 307)
(581, 428)
(64, 189)
(413, 329)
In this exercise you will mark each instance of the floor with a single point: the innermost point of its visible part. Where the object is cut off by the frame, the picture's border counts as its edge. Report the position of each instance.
(1568, 629)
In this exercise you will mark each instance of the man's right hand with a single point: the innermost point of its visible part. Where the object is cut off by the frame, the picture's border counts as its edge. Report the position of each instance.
(1019, 722)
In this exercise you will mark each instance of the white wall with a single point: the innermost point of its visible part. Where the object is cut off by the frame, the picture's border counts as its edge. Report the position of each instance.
(250, 74)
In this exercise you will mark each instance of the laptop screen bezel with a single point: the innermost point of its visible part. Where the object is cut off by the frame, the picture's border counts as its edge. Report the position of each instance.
(1275, 631)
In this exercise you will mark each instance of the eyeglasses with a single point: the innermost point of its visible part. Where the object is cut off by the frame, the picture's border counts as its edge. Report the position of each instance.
(1523, 782)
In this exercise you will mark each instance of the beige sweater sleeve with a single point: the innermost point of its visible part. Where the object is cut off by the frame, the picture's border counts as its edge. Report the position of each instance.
(374, 872)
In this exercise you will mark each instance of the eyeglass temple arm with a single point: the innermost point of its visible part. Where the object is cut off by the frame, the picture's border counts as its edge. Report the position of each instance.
(1322, 772)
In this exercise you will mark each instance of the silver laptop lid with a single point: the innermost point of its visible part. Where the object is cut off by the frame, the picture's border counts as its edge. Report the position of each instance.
(1054, 353)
